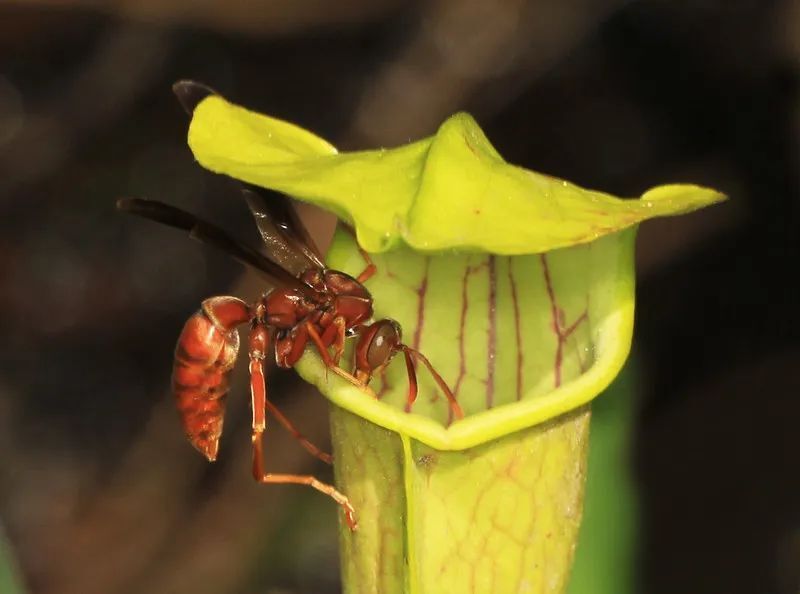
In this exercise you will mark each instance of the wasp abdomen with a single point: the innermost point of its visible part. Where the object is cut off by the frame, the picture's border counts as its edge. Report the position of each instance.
(204, 357)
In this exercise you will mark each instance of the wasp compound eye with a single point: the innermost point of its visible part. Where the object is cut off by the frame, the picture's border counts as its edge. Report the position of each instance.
(384, 344)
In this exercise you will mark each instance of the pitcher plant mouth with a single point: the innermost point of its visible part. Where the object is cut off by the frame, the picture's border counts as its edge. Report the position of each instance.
(519, 339)
(516, 285)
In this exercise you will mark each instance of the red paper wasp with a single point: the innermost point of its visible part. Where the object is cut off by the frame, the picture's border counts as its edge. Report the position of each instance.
(305, 302)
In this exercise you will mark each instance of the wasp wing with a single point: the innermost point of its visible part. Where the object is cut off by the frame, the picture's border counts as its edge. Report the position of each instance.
(288, 241)
(212, 235)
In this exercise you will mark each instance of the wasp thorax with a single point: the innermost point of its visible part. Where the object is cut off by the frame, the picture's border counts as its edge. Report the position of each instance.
(285, 308)
(314, 278)
(340, 283)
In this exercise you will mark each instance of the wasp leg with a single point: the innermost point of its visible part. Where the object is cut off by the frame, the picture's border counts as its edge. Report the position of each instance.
(297, 340)
(371, 269)
(329, 364)
(335, 335)
(258, 342)
(303, 479)
(289, 426)
(288, 350)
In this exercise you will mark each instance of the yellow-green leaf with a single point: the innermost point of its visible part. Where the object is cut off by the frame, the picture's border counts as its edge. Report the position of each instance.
(449, 191)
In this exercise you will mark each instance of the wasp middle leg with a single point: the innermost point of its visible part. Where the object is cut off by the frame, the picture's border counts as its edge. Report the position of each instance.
(370, 269)
(259, 342)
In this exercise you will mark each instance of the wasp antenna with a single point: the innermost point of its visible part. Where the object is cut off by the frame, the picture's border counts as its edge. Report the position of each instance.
(454, 405)
(191, 93)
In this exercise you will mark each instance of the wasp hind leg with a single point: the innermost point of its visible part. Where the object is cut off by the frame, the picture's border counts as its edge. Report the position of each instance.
(302, 439)
(259, 340)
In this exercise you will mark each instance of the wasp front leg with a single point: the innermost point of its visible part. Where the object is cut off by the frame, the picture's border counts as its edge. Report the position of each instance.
(314, 336)
(290, 345)
(334, 335)
(259, 341)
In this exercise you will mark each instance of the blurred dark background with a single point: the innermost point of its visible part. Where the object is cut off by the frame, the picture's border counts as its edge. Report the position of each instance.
(98, 491)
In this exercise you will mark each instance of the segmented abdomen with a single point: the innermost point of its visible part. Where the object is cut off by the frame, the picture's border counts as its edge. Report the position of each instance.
(204, 357)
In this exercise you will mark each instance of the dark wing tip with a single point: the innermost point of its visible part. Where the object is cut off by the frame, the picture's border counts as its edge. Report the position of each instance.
(126, 204)
(255, 202)
(191, 93)
(159, 212)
